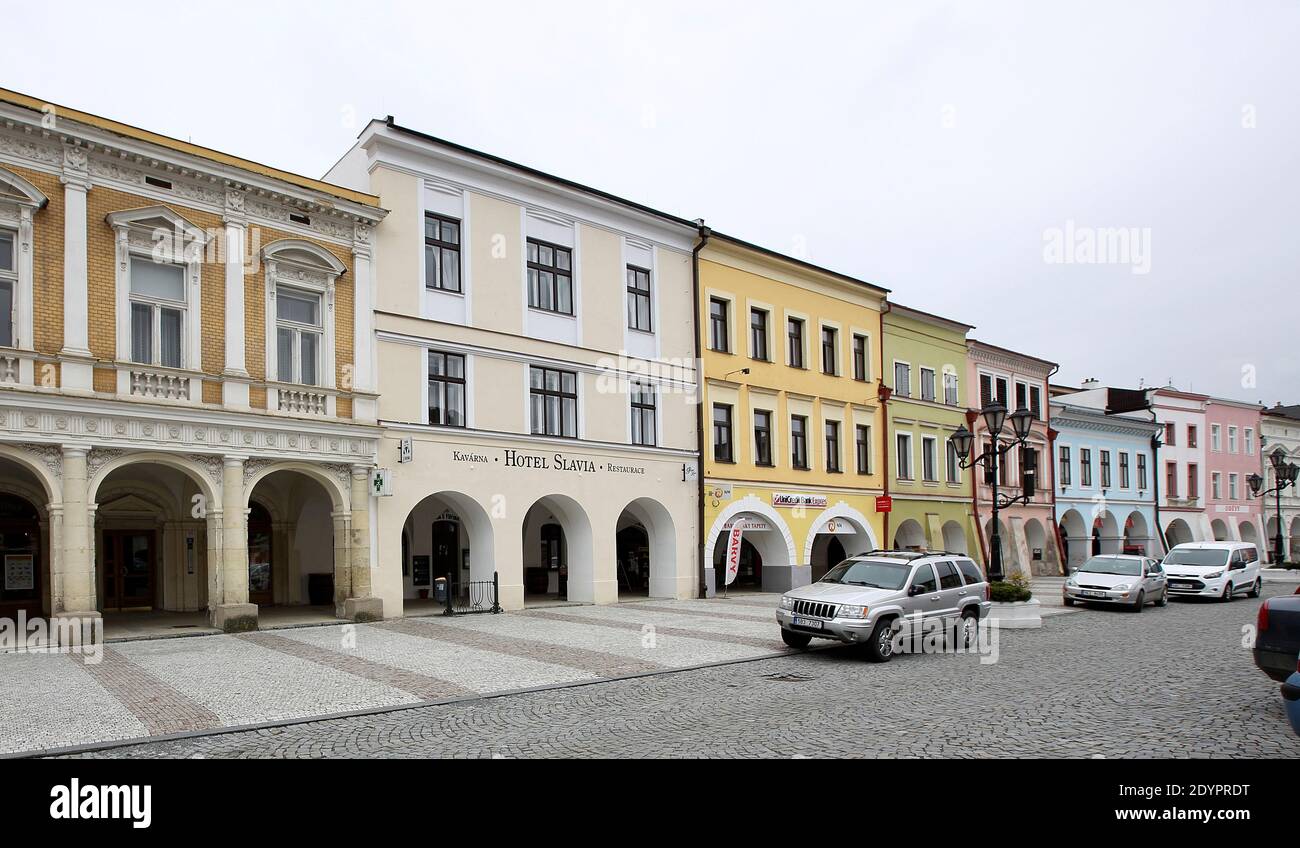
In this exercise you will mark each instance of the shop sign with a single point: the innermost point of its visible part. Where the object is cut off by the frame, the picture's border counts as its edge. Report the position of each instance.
(1233, 508)
(884, 503)
(749, 523)
(799, 500)
(733, 554)
(837, 527)
(381, 482)
(719, 491)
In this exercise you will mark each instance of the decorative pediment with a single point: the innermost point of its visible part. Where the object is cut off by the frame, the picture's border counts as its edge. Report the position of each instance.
(303, 255)
(15, 189)
(156, 218)
(130, 505)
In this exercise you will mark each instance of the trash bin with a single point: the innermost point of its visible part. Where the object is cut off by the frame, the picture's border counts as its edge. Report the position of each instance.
(440, 590)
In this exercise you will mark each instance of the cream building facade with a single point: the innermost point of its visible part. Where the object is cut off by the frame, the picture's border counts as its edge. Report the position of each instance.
(187, 400)
(535, 350)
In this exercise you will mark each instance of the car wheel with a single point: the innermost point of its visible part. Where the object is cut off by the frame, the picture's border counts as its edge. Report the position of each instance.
(1069, 602)
(798, 641)
(880, 648)
(1164, 598)
(1141, 602)
(970, 628)
(1227, 592)
(1255, 588)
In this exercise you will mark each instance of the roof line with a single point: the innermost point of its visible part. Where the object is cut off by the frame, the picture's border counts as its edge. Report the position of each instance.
(26, 101)
(799, 262)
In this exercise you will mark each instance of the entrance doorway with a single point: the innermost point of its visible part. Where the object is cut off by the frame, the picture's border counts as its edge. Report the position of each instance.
(446, 550)
(20, 556)
(129, 565)
(261, 556)
(749, 571)
(633, 561)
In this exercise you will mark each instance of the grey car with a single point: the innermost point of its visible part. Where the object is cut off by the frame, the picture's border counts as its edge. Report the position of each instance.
(868, 598)
(1123, 579)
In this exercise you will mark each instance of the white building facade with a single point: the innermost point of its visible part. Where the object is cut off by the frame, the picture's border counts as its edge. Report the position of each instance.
(536, 370)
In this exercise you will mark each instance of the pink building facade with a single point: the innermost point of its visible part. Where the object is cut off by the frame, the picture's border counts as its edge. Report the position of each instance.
(1182, 460)
(1232, 454)
(1028, 531)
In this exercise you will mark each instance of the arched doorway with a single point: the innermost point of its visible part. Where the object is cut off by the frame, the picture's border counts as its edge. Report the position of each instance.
(910, 536)
(1179, 533)
(954, 538)
(447, 535)
(1106, 535)
(293, 532)
(22, 584)
(1248, 532)
(558, 552)
(1036, 542)
(837, 533)
(1137, 535)
(749, 574)
(261, 555)
(769, 537)
(1075, 538)
(1220, 528)
(646, 551)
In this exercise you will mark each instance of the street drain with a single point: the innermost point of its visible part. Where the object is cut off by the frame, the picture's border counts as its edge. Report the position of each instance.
(783, 677)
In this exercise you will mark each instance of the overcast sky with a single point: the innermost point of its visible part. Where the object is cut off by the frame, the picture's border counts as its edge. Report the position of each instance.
(938, 149)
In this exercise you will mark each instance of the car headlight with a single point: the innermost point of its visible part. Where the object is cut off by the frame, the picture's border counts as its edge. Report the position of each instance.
(1214, 575)
(1123, 587)
(1071, 582)
(787, 603)
(849, 611)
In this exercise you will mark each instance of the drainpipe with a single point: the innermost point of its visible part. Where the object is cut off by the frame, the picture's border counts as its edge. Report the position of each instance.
(883, 394)
(1050, 459)
(1155, 477)
(704, 234)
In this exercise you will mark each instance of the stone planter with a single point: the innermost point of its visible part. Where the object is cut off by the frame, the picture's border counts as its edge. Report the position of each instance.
(1023, 615)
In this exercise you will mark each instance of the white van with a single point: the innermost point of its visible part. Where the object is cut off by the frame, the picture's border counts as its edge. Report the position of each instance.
(1213, 569)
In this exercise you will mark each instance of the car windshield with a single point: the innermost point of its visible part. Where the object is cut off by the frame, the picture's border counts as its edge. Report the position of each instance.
(1196, 556)
(878, 575)
(1112, 565)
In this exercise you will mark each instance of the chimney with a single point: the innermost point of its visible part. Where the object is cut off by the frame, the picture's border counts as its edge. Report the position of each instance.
(1090, 384)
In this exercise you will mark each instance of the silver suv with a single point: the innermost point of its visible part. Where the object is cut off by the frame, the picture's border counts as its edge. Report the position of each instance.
(869, 597)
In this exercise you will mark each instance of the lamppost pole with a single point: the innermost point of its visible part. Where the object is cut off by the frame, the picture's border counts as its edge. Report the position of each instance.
(995, 538)
(1284, 476)
(995, 416)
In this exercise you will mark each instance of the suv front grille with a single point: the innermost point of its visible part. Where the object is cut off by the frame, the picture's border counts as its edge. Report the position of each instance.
(813, 609)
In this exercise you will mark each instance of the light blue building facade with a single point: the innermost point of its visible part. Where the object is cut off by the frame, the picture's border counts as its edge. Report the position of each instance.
(1105, 474)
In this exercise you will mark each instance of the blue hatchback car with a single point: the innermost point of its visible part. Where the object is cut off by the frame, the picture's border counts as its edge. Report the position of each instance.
(1291, 699)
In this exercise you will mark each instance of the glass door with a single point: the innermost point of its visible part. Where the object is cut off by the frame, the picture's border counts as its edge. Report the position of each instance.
(128, 569)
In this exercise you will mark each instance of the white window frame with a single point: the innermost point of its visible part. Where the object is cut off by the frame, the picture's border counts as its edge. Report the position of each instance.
(1232, 439)
(655, 407)
(898, 458)
(1216, 438)
(956, 387)
(894, 377)
(19, 203)
(1233, 489)
(157, 234)
(1216, 488)
(952, 469)
(934, 445)
(156, 306)
(302, 266)
(866, 358)
(934, 383)
(1248, 436)
(838, 370)
(298, 329)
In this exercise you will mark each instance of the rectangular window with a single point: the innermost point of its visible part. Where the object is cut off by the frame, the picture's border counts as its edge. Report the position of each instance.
(644, 429)
(1085, 467)
(1250, 441)
(550, 277)
(862, 448)
(1105, 469)
(1170, 434)
(1063, 465)
(441, 253)
(927, 384)
(1036, 402)
(1022, 396)
(1142, 471)
(763, 438)
(861, 360)
(1001, 385)
(157, 313)
(830, 341)
(833, 446)
(638, 299)
(1193, 484)
(953, 466)
(722, 444)
(902, 379)
(799, 442)
(986, 390)
(1215, 442)
(8, 280)
(1216, 491)
(950, 389)
(553, 402)
(904, 447)
(1232, 486)
(1171, 479)
(758, 334)
(929, 459)
(298, 334)
(446, 389)
(1232, 440)
(1191, 435)
(794, 340)
(1123, 470)
(718, 334)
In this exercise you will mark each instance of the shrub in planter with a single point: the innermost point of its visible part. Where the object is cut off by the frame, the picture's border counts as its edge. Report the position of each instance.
(1013, 590)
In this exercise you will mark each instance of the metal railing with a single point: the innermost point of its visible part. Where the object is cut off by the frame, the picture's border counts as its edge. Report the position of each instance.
(474, 596)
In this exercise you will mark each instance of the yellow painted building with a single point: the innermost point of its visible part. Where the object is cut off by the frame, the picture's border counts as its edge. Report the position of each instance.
(792, 422)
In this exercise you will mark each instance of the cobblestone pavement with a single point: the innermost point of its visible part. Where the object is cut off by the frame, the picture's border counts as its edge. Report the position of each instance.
(165, 686)
(1171, 682)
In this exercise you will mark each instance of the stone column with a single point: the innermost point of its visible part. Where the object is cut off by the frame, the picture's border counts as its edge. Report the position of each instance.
(361, 604)
(342, 520)
(76, 616)
(77, 373)
(234, 614)
(235, 378)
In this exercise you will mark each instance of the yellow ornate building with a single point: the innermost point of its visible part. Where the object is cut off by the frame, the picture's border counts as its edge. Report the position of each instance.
(187, 402)
(792, 421)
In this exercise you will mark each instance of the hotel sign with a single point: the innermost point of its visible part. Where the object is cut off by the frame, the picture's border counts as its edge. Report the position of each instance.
(515, 460)
(1233, 508)
(799, 500)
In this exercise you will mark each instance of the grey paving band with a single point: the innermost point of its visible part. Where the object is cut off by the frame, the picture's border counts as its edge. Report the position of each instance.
(769, 604)
(677, 610)
(158, 706)
(593, 662)
(684, 632)
(423, 686)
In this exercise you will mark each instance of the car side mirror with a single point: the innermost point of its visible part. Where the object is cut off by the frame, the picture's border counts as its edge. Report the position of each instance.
(914, 590)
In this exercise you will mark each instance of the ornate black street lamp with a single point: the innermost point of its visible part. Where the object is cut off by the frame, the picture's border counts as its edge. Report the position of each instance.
(995, 418)
(1284, 476)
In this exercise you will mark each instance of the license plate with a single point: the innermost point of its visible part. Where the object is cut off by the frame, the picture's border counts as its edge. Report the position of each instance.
(1090, 594)
(1181, 584)
(806, 622)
